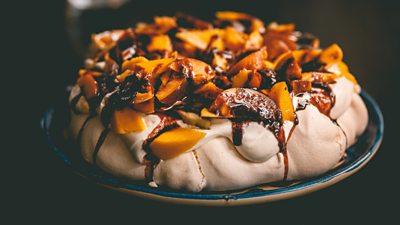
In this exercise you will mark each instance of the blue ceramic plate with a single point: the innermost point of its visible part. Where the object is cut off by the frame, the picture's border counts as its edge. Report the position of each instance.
(358, 155)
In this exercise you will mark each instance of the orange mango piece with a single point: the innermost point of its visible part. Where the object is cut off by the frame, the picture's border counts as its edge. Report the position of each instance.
(131, 64)
(206, 113)
(331, 54)
(280, 94)
(254, 61)
(160, 42)
(198, 38)
(172, 143)
(145, 107)
(231, 15)
(233, 39)
(157, 66)
(127, 120)
(240, 79)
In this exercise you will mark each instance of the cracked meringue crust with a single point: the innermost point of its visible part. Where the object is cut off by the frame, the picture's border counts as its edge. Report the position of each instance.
(214, 80)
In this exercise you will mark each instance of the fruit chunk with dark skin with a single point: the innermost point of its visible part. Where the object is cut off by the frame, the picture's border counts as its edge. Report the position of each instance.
(244, 103)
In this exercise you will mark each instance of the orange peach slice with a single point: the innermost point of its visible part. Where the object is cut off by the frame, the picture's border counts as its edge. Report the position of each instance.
(127, 120)
(331, 54)
(254, 61)
(280, 94)
(160, 42)
(172, 143)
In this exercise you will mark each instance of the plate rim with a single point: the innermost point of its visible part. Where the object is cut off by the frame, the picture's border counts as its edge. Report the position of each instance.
(222, 199)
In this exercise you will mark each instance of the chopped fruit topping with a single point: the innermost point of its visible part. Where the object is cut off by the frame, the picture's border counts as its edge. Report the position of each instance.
(121, 77)
(173, 91)
(255, 41)
(160, 43)
(235, 67)
(131, 64)
(306, 55)
(194, 119)
(230, 15)
(127, 120)
(234, 39)
(198, 38)
(198, 71)
(281, 96)
(240, 79)
(331, 54)
(145, 107)
(208, 91)
(206, 113)
(155, 67)
(172, 143)
(301, 86)
(89, 86)
(319, 77)
(254, 61)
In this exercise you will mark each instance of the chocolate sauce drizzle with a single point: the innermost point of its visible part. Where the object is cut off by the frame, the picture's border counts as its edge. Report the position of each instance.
(84, 125)
(99, 143)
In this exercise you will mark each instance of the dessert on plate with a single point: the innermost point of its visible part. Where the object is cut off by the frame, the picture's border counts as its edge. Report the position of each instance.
(193, 105)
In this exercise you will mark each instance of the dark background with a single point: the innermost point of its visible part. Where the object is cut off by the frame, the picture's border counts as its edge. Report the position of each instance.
(42, 61)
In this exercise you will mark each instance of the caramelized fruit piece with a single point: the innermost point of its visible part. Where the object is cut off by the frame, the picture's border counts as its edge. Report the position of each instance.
(231, 15)
(319, 77)
(255, 80)
(280, 94)
(300, 86)
(143, 97)
(165, 22)
(131, 64)
(89, 86)
(172, 143)
(127, 120)
(254, 41)
(254, 61)
(245, 103)
(199, 71)
(206, 113)
(303, 56)
(194, 119)
(198, 38)
(216, 42)
(233, 39)
(145, 107)
(219, 62)
(155, 67)
(160, 42)
(331, 54)
(208, 91)
(121, 77)
(240, 79)
(287, 66)
(173, 91)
